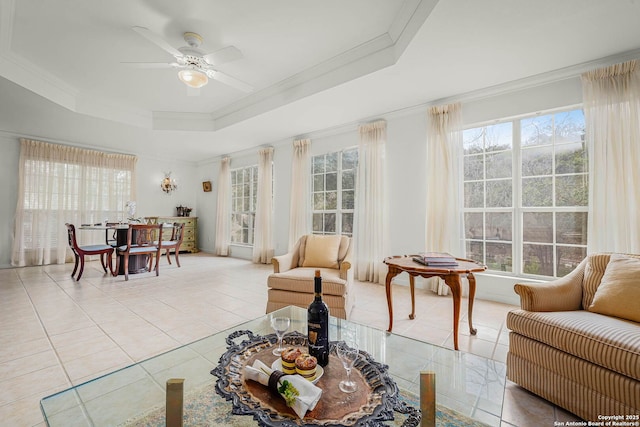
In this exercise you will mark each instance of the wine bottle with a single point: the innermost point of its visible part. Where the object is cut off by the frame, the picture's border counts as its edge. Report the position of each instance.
(318, 324)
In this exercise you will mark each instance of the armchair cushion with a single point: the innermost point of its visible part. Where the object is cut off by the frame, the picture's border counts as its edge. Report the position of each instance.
(300, 280)
(619, 291)
(321, 251)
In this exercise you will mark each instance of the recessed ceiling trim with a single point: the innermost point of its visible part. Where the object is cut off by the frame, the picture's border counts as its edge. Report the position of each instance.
(366, 58)
(27, 75)
(171, 120)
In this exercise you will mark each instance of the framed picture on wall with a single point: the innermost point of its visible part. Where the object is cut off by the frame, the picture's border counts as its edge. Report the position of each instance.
(206, 186)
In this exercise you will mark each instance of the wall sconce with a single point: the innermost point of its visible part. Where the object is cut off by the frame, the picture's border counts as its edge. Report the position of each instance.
(167, 184)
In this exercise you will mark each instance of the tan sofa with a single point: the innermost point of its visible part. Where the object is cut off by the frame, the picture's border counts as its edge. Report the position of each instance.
(292, 280)
(562, 350)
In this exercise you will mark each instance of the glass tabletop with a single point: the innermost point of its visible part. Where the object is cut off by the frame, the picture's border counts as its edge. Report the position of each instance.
(468, 384)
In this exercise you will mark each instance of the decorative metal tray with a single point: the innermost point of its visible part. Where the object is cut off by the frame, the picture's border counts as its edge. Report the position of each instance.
(375, 401)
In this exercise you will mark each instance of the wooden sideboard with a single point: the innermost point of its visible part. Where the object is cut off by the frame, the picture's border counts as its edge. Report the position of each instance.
(190, 238)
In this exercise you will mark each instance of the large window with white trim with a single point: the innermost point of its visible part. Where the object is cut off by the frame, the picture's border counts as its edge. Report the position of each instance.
(526, 194)
(244, 196)
(334, 192)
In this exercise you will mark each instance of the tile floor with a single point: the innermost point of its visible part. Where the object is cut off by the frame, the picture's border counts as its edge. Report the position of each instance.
(55, 332)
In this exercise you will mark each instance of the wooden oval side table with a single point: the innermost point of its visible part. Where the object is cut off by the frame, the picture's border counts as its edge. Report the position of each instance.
(450, 275)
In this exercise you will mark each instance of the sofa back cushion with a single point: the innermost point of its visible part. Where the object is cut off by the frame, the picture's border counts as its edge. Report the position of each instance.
(619, 291)
(321, 251)
(593, 272)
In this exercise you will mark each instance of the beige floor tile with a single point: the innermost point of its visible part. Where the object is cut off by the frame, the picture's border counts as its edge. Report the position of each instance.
(522, 408)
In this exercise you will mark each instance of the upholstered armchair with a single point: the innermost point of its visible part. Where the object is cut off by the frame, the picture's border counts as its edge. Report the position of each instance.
(292, 280)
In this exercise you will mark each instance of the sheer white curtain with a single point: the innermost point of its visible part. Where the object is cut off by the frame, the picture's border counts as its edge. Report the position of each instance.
(444, 218)
(59, 184)
(611, 99)
(263, 228)
(370, 228)
(299, 207)
(223, 217)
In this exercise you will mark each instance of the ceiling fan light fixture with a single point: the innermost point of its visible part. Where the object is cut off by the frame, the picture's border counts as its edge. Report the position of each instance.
(193, 78)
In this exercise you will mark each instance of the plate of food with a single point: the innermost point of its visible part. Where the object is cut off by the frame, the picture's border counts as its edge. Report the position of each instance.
(294, 361)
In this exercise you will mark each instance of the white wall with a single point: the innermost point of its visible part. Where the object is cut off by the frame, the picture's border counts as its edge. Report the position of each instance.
(405, 159)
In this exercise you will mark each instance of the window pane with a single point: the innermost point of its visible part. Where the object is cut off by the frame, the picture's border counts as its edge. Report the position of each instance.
(572, 190)
(571, 228)
(474, 194)
(473, 140)
(348, 180)
(571, 158)
(537, 192)
(474, 167)
(499, 137)
(499, 256)
(349, 159)
(475, 251)
(537, 161)
(348, 201)
(331, 201)
(499, 194)
(318, 201)
(499, 165)
(569, 258)
(317, 222)
(473, 228)
(331, 181)
(537, 130)
(570, 126)
(538, 259)
(498, 226)
(331, 162)
(318, 182)
(537, 227)
(329, 223)
(318, 164)
(347, 223)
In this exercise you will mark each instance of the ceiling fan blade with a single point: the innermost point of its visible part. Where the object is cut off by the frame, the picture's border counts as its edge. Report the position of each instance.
(226, 54)
(151, 64)
(231, 81)
(159, 41)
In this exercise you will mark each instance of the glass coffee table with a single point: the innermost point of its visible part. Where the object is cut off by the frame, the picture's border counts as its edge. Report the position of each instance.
(467, 384)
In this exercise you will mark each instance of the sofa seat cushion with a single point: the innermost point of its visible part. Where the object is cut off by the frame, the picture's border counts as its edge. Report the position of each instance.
(301, 280)
(606, 341)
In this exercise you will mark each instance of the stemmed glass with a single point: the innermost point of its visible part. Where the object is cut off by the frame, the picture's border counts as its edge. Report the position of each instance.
(348, 354)
(280, 325)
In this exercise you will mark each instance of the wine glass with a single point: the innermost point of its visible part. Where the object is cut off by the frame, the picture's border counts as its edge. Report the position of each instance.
(280, 325)
(348, 354)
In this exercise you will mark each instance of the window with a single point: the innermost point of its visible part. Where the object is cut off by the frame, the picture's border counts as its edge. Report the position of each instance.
(526, 194)
(334, 191)
(60, 184)
(244, 195)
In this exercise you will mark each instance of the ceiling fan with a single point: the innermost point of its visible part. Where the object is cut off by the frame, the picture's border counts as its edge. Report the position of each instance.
(196, 67)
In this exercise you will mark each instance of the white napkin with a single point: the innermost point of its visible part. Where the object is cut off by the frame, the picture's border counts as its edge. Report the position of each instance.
(309, 393)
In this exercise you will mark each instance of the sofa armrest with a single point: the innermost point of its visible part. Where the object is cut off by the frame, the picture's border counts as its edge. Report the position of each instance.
(564, 294)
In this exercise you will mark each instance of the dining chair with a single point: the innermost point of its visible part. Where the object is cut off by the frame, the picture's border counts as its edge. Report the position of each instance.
(111, 234)
(175, 242)
(140, 241)
(79, 252)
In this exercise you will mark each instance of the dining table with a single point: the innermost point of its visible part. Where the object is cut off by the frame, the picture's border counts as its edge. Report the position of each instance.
(137, 263)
